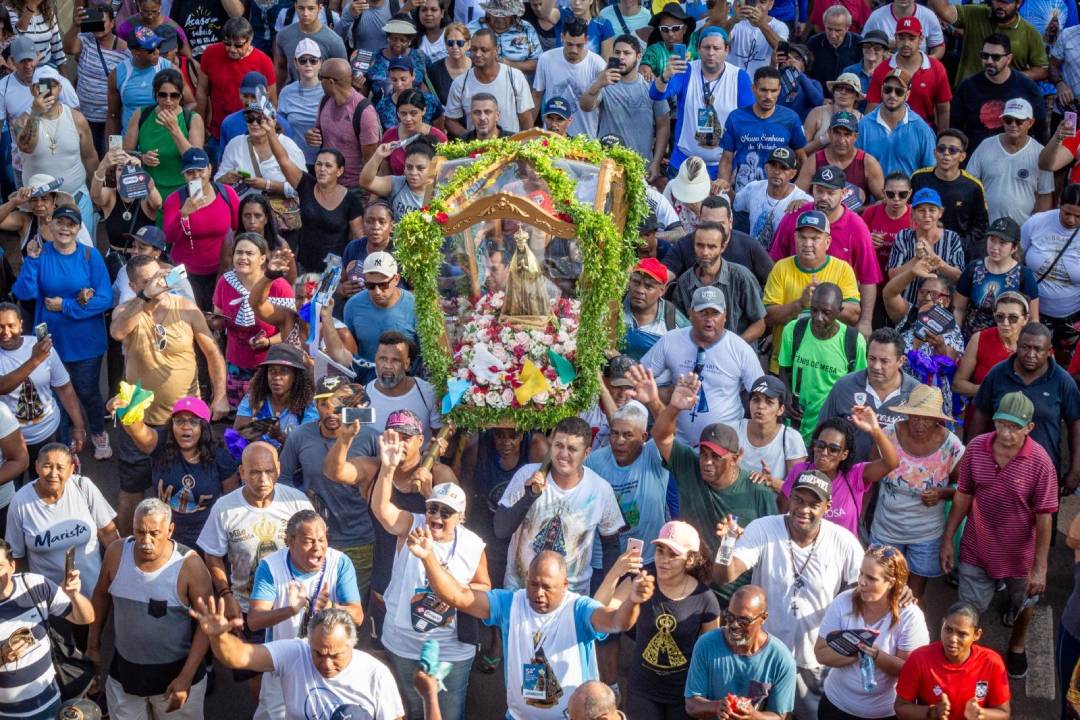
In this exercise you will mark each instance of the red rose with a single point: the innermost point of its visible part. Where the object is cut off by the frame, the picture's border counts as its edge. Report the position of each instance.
(442, 218)
(565, 217)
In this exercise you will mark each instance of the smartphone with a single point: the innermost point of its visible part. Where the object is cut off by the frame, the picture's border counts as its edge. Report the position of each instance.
(635, 545)
(195, 189)
(41, 331)
(1070, 120)
(69, 561)
(242, 173)
(362, 415)
(93, 21)
(116, 142)
(44, 88)
(613, 63)
(679, 50)
(175, 275)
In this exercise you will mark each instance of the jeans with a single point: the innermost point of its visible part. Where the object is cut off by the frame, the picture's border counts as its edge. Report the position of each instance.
(1068, 655)
(86, 380)
(451, 702)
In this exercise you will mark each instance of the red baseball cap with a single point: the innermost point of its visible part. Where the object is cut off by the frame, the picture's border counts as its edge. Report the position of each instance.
(909, 25)
(653, 268)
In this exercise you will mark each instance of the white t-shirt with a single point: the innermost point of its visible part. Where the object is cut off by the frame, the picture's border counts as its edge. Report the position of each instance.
(237, 156)
(248, 534)
(883, 19)
(765, 212)
(787, 445)
(1041, 239)
(749, 48)
(844, 685)
(421, 399)
(15, 98)
(565, 521)
(33, 402)
(8, 425)
(662, 208)
(826, 566)
(1010, 180)
(42, 533)
(555, 77)
(365, 682)
(511, 91)
(433, 51)
(728, 364)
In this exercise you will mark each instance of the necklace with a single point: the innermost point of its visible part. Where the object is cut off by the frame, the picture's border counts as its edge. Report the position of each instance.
(797, 572)
(46, 123)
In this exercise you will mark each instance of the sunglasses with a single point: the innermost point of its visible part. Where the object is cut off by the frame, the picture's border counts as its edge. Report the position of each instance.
(991, 56)
(169, 95)
(377, 285)
(252, 119)
(949, 149)
(162, 341)
(744, 622)
(441, 510)
(831, 448)
(671, 28)
(456, 43)
(1011, 121)
(307, 60)
(897, 194)
(893, 90)
(1011, 319)
(843, 88)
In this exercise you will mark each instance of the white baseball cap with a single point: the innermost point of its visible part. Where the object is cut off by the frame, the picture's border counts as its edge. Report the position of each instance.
(450, 495)
(1018, 108)
(381, 263)
(307, 46)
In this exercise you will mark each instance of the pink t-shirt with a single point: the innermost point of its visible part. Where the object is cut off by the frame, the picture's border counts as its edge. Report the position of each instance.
(196, 240)
(850, 242)
(877, 220)
(229, 302)
(847, 494)
(335, 122)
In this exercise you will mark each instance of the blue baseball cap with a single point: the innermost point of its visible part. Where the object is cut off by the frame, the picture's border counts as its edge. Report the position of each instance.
(400, 63)
(814, 219)
(150, 235)
(194, 159)
(251, 83)
(557, 106)
(146, 39)
(926, 196)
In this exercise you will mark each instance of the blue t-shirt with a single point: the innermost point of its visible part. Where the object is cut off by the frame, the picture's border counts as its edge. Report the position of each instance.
(752, 139)
(287, 421)
(345, 590)
(367, 322)
(599, 29)
(716, 671)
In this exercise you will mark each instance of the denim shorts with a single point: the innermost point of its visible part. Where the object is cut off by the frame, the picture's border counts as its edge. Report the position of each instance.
(923, 559)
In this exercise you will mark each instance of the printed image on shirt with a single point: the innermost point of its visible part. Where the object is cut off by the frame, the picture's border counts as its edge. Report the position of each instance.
(29, 409)
(662, 654)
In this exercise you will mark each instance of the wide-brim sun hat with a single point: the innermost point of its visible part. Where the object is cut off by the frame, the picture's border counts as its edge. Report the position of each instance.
(924, 401)
(692, 184)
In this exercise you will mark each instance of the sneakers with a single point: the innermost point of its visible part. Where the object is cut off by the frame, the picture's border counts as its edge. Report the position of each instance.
(1016, 663)
(102, 450)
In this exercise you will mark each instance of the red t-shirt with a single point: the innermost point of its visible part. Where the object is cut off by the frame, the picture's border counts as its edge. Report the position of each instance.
(927, 675)
(850, 242)
(878, 221)
(1072, 144)
(929, 86)
(225, 76)
(227, 300)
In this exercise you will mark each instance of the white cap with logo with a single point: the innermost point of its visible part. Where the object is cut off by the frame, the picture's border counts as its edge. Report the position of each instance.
(381, 263)
(448, 494)
(1018, 108)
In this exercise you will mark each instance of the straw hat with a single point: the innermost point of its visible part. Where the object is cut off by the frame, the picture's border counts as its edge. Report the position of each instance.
(924, 401)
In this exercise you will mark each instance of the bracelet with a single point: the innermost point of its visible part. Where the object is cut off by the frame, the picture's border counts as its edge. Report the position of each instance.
(99, 178)
(226, 591)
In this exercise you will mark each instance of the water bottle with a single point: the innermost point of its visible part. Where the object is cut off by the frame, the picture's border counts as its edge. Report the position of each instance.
(866, 669)
(727, 545)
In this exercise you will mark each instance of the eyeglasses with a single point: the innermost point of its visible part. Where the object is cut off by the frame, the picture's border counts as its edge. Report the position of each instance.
(933, 295)
(1011, 319)
(897, 194)
(169, 95)
(441, 510)
(893, 90)
(188, 420)
(235, 43)
(1011, 121)
(671, 28)
(991, 56)
(162, 340)
(831, 448)
(845, 88)
(456, 43)
(307, 60)
(949, 149)
(744, 622)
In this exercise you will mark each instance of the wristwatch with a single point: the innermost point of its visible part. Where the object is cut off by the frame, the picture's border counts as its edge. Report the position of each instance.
(142, 295)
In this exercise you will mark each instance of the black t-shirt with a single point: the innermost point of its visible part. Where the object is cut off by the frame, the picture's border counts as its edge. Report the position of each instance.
(440, 80)
(324, 231)
(977, 105)
(189, 489)
(202, 20)
(666, 632)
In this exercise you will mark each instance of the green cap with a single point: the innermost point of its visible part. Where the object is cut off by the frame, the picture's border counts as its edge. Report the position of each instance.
(1015, 407)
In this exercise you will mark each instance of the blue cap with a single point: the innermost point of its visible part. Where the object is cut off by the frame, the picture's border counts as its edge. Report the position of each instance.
(813, 219)
(926, 196)
(150, 235)
(713, 30)
(68, 212)
(146, 39)
(400, 63)
(557, 106)
(194, 159)
(251, 83)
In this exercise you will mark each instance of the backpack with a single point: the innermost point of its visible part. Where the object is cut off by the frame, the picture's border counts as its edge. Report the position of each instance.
(218, 188)
(357, 117)
(144, 115)
(851, 340)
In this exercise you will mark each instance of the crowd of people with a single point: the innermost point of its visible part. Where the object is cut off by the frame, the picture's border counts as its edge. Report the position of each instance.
(847, 371)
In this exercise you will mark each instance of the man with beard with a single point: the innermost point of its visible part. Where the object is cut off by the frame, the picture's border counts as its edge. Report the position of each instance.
(978, 101)
(802, 563)
(899, 139)
(344, 509)
(850, 238)
(381, 306)
(147, 583)
(742, 659)
(862, 172)
(761, 204)
(745, 313)
(626, 110)
(999, 16)
(741, 248)
(645, 311)
(930, 91)
(394, 389)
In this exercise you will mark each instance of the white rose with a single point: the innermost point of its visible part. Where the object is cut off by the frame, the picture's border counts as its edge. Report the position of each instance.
(540, 398)
(493, 398)
(477, 399)
(507, 397)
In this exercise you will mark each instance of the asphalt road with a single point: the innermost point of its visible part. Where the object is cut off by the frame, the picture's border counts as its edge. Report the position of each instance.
(1034, 697)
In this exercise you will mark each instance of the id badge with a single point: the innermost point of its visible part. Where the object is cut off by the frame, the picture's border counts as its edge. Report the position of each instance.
(428, 611)
(534, 681)
(705, 120)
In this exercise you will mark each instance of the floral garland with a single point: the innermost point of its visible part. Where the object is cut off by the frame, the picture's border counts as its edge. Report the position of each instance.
(607, 256)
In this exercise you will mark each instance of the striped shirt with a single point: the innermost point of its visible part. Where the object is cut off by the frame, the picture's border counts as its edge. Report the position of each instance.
(95, 64)
(1000, 532)
(46, 37)
(28, 686)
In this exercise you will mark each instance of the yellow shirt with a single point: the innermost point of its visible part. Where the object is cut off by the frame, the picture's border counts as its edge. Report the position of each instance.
(786, 282)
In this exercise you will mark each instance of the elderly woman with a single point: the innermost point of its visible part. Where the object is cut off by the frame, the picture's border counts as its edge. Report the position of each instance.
(983, 280)
(926, 244)
(846, 94)
(164, 130)
(989, 346)
(516, 39)
(457, 62)
(28, 213)
(400, 32)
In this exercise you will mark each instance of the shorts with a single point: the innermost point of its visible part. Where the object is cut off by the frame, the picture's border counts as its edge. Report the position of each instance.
(255, 637)
(362, 558)
(132, 465)
(923, 559)
(978, 588)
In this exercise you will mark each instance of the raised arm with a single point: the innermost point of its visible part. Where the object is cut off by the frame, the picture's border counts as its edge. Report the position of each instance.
(292, 173)
(620, 619)
(144, 437)
(864, 418)
(450, 591)
(233, 652)
(683, 397)
(370, 179)
(391, 453)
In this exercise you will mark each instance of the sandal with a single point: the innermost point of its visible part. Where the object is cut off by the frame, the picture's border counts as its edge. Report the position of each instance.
(488, 664)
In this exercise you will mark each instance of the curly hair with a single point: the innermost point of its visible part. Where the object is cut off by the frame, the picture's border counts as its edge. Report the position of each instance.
(301, 393)
(45, 8)
(205, 445)
(845, 428)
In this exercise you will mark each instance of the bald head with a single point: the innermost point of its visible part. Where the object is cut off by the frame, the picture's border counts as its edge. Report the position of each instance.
(337, 69)
(258, 451)
(751, 598)
(548, 563)
(593, 700)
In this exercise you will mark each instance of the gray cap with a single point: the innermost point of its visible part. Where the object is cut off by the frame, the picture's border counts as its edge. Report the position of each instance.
(709, 297)
(22, 48)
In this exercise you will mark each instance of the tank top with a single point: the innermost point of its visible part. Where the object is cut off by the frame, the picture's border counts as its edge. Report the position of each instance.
(58, 152)
(116, 226)
(168, 175)
(991, 352)
(855, 172)
(153, 629)
(166, 368)
(136, 87)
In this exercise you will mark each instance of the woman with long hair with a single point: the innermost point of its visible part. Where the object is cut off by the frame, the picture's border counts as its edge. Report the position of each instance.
(874, 604)
(190, 469)
(257, 216)
(683, 595)
(430, 17)
(280, 388)
(985, 279)
(37, 20)
(410, 123)
(404, 192)
(164, 131)
(990, 346)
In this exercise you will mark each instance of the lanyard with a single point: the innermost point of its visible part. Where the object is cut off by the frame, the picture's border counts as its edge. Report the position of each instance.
(318, 586)
(706, 89)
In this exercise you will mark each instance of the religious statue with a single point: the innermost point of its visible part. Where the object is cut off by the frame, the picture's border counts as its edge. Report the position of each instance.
(527, 303)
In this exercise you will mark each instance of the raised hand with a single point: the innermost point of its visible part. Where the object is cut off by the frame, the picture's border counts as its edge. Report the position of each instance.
(420, 542)
(72, 584)
(864, 418)
(391, 448)
(642, 588)
(295, 596)
(210, 614)
(645, 390)
(685, 394)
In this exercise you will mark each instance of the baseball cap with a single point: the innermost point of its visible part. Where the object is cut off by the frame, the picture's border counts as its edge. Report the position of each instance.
(1015, 407)
(347, 394)
(709, 297)
(68, 212)
(328, 385)
(719, 438)
(449, 494)
(615, 370)
(926, 196)
(287, 355)
(784, 157)
(79, 709)
(844, 119)
(900, 75)
(381, 263)
(813, 219)
(875, 37)
(1018, 108)
(400, 63)
(194, 159)
(649, 224)
(22, 48)
(307, 46)
(1006, 229)
(770, 386)
(653, 268)
(909, 25)
(253, 80)
(557, 106)
(830, 176)
(145, 38)
(46, 72)
(679, 537)
(193, 405)
(405, 422)
(816, 482)
(169, 39)
(148, 234)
